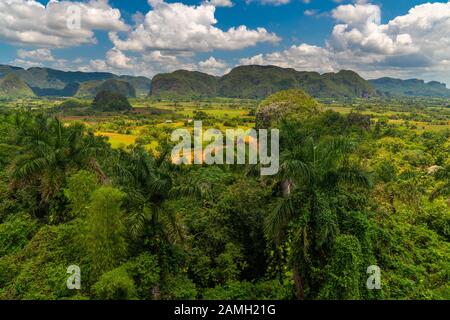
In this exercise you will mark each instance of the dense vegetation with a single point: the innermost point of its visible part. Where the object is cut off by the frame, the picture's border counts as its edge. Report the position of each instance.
(110, 101)
(351, 192)
(11, 86)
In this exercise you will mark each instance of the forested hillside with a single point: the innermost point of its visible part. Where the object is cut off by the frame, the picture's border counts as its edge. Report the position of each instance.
(411, 87)
(352, 192)
(51, 82)
(258, 82)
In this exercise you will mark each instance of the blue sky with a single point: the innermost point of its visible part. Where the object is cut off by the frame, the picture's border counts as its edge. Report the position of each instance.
(402, 38)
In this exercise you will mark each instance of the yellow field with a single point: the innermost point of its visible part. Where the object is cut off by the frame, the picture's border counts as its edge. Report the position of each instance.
(118, 140)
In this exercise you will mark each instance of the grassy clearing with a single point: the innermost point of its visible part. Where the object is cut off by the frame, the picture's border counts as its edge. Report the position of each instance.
(118, 140)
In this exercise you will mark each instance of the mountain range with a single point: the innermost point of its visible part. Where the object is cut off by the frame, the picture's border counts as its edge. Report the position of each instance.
(249, 82)
(51, 82)
(257, 82)
(410, 87)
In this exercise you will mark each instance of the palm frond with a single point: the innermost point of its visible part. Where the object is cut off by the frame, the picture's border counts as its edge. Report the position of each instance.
(279, 218)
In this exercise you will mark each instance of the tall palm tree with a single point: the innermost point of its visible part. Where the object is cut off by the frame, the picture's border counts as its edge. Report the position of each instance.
(147, 179)
(311, 170)
(151, 180)
(49, 151)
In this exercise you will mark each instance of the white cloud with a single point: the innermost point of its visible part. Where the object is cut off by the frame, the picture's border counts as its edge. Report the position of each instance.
(176, 26)
(302, 57)
(361, 31)
(418, 40)
(147, 64)
(55, 25)
(310, 12)
(412, 45)
(220, 3)
(36, 55)
(26, 63)
(118, 60)
(213, 66)
(271, 2)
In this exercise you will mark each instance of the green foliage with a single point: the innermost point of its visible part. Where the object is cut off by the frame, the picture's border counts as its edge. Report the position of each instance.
(105, 231)
(12, 86)
(285, 105)
(145, 272)
(349, 194)
(179, 287)
(38, 270)
(80, 187)
(343, 276)
(117, 86)
(49, 151)
(235, 290)
(15, 233)
(115, 285)
(107, 101)
(72, 103)
(184, 84)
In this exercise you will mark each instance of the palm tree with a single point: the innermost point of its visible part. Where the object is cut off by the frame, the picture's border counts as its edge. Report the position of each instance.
(148, 181)
(310, 173)
(49, 151)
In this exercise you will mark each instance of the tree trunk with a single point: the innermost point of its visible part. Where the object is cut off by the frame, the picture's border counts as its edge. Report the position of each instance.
(299, 286)
(287, 186)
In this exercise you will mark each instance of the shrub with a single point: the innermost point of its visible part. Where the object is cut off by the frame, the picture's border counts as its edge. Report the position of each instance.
(115, 285)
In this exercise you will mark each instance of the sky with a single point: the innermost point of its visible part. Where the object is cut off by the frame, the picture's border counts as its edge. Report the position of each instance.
(376, 38)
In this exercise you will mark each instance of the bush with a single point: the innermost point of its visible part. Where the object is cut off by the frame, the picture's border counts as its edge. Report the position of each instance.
(15, 234)
(80, 186)
(105, 229)
(145, 272)
(235, 290)
(115, 285)
(179, 287)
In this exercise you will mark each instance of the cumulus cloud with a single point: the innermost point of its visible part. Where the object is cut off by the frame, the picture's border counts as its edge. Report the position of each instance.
(221, 3)
(147, 64)
(36, 55)
(302, 57)
(116, 59)
(417, 39)
(413, 44)
(271, 2)
(26, 63)
(361, 31)
(56, 25)
(176, 26)
(213, 66)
